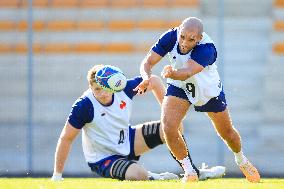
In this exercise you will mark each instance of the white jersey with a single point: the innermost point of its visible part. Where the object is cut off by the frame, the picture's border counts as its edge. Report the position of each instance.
(201, 87)
(107, 134)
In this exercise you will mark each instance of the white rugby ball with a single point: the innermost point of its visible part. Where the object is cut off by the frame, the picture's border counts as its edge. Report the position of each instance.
(111, 79)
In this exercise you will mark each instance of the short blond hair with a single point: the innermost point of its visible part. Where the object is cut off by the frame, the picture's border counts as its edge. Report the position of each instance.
(92, 73)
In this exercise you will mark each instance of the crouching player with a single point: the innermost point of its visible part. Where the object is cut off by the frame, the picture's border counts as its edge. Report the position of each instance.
(112, 147)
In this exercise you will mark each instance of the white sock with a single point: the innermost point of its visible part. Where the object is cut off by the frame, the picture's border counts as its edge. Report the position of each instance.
(240, 158)
(186, 165)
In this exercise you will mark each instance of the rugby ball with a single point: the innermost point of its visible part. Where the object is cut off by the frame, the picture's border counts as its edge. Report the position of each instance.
(111, 79)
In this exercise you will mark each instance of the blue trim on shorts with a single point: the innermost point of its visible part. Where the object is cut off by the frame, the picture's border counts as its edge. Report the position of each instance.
(103, 166)
(176, 91)
(132, 131)
(216, 104)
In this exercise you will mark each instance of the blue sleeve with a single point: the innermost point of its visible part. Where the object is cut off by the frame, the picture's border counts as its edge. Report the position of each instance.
(204, 54)
(82, 112)
(132, 84)
(166, 42)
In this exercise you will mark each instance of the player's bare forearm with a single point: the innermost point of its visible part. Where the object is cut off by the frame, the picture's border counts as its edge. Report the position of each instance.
(63, 147)
(145, 70)
(62, 151)
(191, 68)
(147, 64)
(176, 74)
(181, 74)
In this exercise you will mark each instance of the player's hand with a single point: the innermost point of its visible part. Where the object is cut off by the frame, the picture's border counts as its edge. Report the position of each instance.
(57, 177)
(168, 72)
(142, 87)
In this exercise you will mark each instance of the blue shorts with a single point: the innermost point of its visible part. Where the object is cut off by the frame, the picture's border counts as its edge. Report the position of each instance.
(216, 104)
(103, 167)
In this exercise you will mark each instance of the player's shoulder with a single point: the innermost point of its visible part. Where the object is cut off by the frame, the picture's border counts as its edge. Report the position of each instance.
(204, 54)
(83, 100)
(170, 34)
(204, 48)
(206, 45)
(166, 42)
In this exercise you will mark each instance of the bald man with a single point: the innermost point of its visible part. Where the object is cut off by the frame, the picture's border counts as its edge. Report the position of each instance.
(192, 79)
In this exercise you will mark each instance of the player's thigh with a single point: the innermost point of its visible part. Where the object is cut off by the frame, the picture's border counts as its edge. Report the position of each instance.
(221, 121)
(174, 110)
(147, 136)
(136, 172)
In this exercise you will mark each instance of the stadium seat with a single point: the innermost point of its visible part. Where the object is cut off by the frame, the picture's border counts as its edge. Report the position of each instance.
(172, 23)
(20, 48)
(57, 48)
(7, 25)
(144, 47)
(90, 25)
(64, 3)
(63, 48)
(278, 48)
(151, 24)
(60, 25)
(41, 3)
(38, 25)
(22, 25)
(94, 3)
(156, 3)
(118, 47)
(67, 25)
(10, 3)
(5, 48)
(115, 25)
(123, 3)
(37, 48)
(279, 3)
(88, 48)
(184, 3)
(278, 25)
(36, 3)
(23, 48)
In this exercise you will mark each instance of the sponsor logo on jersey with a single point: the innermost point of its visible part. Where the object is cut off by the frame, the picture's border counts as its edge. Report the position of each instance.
(122, 105)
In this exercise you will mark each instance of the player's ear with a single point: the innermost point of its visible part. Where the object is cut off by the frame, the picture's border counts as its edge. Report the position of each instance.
(200, 38)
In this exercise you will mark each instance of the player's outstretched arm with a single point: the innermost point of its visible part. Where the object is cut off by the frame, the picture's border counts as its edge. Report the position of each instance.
(146, 66)
(63, 147)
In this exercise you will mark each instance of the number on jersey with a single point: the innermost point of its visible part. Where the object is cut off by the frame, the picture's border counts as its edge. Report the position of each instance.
(191, 89)
(121, 137)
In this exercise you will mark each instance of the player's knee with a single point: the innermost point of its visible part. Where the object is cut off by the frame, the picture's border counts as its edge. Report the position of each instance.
(140, 175)
(136, 172)
(169, 127)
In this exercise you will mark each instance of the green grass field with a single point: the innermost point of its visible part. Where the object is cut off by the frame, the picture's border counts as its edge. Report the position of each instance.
(95, 183)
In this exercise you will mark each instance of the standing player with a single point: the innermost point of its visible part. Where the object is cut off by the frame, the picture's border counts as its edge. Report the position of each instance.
(110, 145)
(192, 78)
